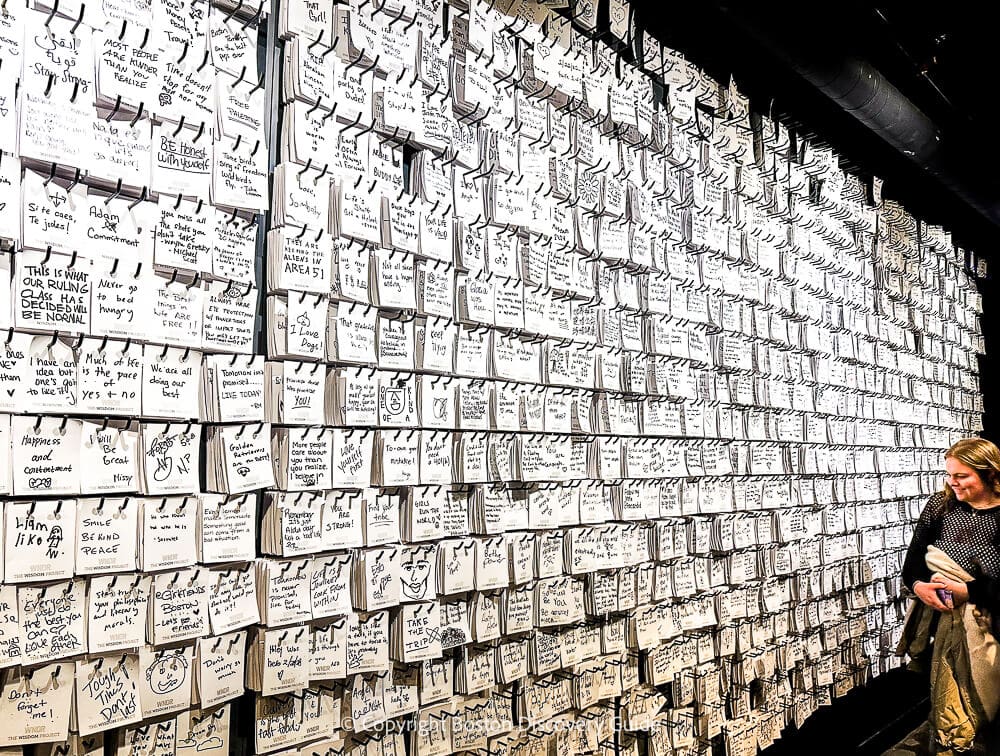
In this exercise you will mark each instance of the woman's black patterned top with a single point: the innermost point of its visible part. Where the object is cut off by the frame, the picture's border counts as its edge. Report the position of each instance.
(966, 534)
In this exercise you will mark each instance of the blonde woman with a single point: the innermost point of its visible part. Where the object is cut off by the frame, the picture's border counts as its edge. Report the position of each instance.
(952, 565)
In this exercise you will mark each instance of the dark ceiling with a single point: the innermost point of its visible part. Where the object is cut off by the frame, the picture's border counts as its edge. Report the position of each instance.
(942, 57)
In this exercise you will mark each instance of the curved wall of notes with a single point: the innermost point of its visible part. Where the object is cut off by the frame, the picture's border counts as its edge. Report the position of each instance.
(384, 373)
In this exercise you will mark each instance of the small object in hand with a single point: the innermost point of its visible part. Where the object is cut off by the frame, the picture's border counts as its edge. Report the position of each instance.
(944, 596)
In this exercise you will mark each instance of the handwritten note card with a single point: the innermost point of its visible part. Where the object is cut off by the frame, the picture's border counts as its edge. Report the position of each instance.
(107, 693)
(45, 455)
(107, 532)
(170, 458)
(109, 460)
(52, 292)
(39, 540)
(182, 160)
(35, 704)
(109, 381)
(227, 529)
(52, 621)
(165, 679)
(117, 607)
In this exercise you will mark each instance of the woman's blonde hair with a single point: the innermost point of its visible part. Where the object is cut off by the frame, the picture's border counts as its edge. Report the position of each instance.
(982, 456)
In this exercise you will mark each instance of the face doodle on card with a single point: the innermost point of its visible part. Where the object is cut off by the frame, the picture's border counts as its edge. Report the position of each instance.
(414, 577)
(167, 673)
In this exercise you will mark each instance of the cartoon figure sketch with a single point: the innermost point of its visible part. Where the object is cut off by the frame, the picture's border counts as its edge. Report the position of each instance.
(167, 673)
(55, 538)
(414, 577)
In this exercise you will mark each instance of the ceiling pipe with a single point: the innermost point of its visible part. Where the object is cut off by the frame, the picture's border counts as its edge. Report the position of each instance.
(863, 92)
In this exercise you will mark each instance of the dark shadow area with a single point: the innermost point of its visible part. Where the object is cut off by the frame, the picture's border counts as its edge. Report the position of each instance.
(865, 722)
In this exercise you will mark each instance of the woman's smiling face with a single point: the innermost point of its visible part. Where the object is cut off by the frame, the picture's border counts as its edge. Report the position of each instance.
(964, 481)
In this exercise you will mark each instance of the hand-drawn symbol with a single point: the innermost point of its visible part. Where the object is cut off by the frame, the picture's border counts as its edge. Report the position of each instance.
(167, 673)
(453, 636)
(243, 471)
(440, 408)
(303, 320)
(395, 400)
(164, 466)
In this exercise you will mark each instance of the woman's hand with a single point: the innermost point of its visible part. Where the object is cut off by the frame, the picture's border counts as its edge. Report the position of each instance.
(959, 590)
(927, 592)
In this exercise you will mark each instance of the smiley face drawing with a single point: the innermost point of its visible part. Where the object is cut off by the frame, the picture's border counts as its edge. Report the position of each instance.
(167, 674)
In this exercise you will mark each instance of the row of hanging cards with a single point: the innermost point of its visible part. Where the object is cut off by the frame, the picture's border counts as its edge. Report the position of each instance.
(53, 455)
(58, 456)
(403, 346)
(57, 539)
(50, 539)
(279, 592)
(83, 706)
(486, 306)
(58, 293)
(122, 378)
(56, 374)
(118, 237)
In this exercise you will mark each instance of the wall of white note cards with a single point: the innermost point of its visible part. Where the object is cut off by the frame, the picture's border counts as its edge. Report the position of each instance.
(426, 378)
